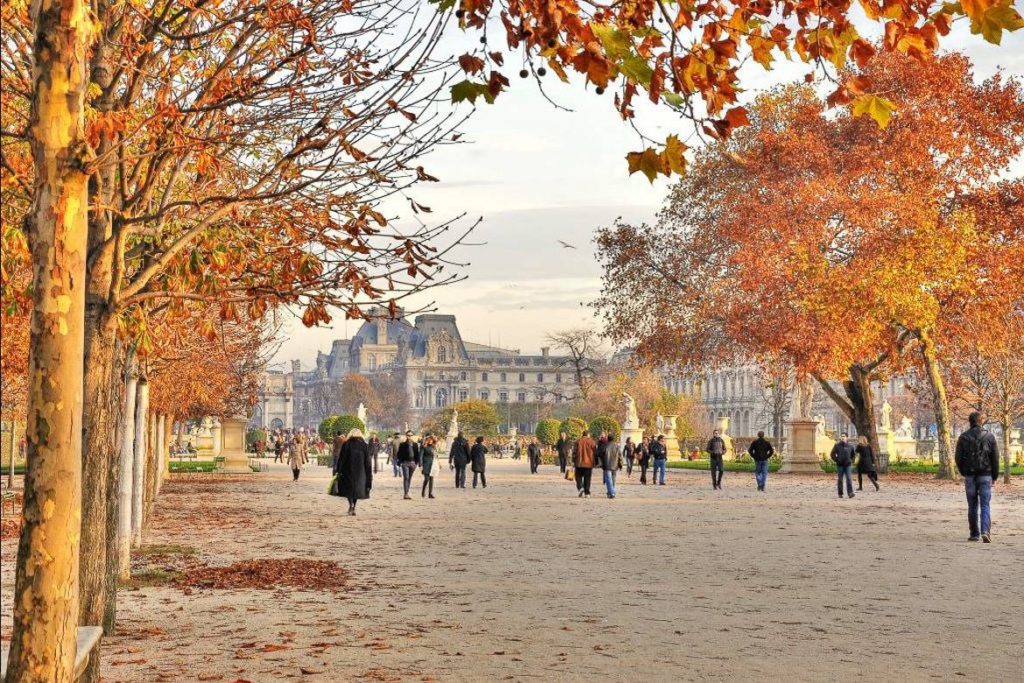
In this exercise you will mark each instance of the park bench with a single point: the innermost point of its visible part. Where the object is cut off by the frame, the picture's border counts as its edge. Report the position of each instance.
(88, 647)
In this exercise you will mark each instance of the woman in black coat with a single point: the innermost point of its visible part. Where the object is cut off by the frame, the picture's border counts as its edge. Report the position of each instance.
(865, 464)
(478, 456)
(354, 470)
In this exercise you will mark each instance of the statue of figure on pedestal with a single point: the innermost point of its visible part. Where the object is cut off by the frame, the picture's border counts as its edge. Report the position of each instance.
(659, 423)
(632, 420)
(820, 429)
(453, 426)
(887, 416)
(803, 400)
(361, 413)
(906, 428)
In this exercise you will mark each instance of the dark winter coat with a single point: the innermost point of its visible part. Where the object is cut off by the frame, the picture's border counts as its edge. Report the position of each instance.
(842, 454)
(355, 469)
(427, 456)
(533, 451)
(716, 447)
(642, 453)
(657, 450)
(408, 451)
(966, 445)
(865, 459)
(761, 449)
(459, 453)
(564, 448)
(479, 457)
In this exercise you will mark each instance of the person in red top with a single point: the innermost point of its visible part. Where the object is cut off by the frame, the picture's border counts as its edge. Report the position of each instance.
(584, 457)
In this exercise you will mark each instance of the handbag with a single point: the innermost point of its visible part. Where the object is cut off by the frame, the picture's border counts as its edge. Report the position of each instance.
(332, 488)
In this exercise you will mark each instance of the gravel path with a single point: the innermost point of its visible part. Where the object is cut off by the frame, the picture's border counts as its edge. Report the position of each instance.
(524, 581)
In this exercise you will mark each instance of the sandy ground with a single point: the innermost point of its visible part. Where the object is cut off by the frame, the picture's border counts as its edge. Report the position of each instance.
(524, 581)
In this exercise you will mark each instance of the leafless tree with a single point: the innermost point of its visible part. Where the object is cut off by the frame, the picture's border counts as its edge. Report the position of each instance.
(583, 354)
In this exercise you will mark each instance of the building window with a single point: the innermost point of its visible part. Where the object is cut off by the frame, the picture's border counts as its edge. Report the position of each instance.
(483, 376)
(463, 394)
(558, 378)
(442, 355)
(522, 397)
(558, 398)
(503, 377)
(485, 395)
(463, 376)
(503, 396)
(540, 376)
(441, 398)
(522, 377)
(419, 399)
(372, 362)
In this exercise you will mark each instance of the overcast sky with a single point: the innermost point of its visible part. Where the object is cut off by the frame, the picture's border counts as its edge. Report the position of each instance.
(537, 175)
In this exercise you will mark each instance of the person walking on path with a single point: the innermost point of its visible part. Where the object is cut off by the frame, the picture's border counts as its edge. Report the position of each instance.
(865, 463)
(977, 460)
(659, 459)
(408, 456)
(430, 464)
(716, 450)
(611, 463)
(393, 444)
(584, 458)
(296, 457)
(374, 445)
(533, 453)
(458, 459)
(629, 453)
(339, 441)
(478, 456)
(761, 450)
(354, 470)
(842, 456)
(643, 458)
(564, 450)
(278, 447)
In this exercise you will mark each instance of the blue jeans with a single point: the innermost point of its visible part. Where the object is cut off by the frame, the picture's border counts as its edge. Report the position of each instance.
(979, 490)
(761, 473)
(395, 467)
(844, 471)
(659, 466)
(609, 482)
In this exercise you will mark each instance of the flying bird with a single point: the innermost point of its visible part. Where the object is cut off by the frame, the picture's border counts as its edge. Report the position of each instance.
(566, 245)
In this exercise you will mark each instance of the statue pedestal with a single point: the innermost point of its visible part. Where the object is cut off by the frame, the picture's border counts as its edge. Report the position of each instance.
(802, 457)
(636, 434)
(232, 447)
(671, 442)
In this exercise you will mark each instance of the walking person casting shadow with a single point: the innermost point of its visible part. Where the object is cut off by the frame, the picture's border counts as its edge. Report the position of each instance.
(479, 457)
(354, 470)
(430, 464)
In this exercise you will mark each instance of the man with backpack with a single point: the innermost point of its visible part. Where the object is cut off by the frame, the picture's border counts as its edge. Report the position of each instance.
(977, 460)
(761, 450)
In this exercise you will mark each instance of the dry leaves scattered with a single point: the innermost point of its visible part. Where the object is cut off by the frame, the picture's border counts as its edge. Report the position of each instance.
(314, 575)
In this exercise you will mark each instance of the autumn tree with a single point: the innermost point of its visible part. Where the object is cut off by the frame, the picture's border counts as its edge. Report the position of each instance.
(393, 409)
(775, 384)
(582, 355)
(687, 57)
(476, 418)
(356, 389)
(829, 241)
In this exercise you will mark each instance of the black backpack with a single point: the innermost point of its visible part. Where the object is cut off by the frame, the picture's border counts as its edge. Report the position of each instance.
(977, 455)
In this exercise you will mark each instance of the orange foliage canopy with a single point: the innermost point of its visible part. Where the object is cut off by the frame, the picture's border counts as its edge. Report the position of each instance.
(687, 55)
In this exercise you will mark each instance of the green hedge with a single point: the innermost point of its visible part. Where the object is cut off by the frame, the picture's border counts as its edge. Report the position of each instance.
(547, 431)
(574, 427)
(603, 423)
(730, 466)
(330, 426)
(192, 466)
(19, 468)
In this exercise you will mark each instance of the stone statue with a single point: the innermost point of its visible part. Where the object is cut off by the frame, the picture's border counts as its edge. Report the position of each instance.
(906, 428)
(632, 420)
(887, 416)
(820, 429)
(453, 426)
(659, 423)
(361, 413)
(803, 400)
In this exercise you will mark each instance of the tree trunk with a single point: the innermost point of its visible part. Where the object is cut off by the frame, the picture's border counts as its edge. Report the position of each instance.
(944, 439)
(99, 467)
(124, 512)
(44, 637)
(139, 466)
(858, 404)
(161, 445)
(152, 457)
(1006, 421)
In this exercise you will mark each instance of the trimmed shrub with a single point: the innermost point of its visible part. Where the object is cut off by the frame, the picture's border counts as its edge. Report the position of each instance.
(603, 423)
(330, 426)
(547, 431)
(573, 427)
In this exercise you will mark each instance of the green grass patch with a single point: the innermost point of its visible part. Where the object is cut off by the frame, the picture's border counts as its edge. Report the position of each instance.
(730, 466)
(148, 578)
(19, 468)
(165, 549)
(192, 466)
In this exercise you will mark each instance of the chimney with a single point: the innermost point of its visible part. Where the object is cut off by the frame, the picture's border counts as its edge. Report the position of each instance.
(544, 351)
(296, 367)
(382, 330)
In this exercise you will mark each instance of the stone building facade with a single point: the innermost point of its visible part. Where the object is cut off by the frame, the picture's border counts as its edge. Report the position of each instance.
(434, 364)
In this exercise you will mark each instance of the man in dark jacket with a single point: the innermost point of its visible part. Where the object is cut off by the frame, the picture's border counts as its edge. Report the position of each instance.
(842, 456)
(458, 458)
(564, 449)
(761, 450)
(659, 460)
(533, 453)
(408, 456)
(977, 459)
(478, 457)
(611, 462)
(716, 450)
(374, 445)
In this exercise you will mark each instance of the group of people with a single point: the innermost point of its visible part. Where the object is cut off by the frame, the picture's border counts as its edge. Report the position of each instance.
(977, 460)
(291, 447)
